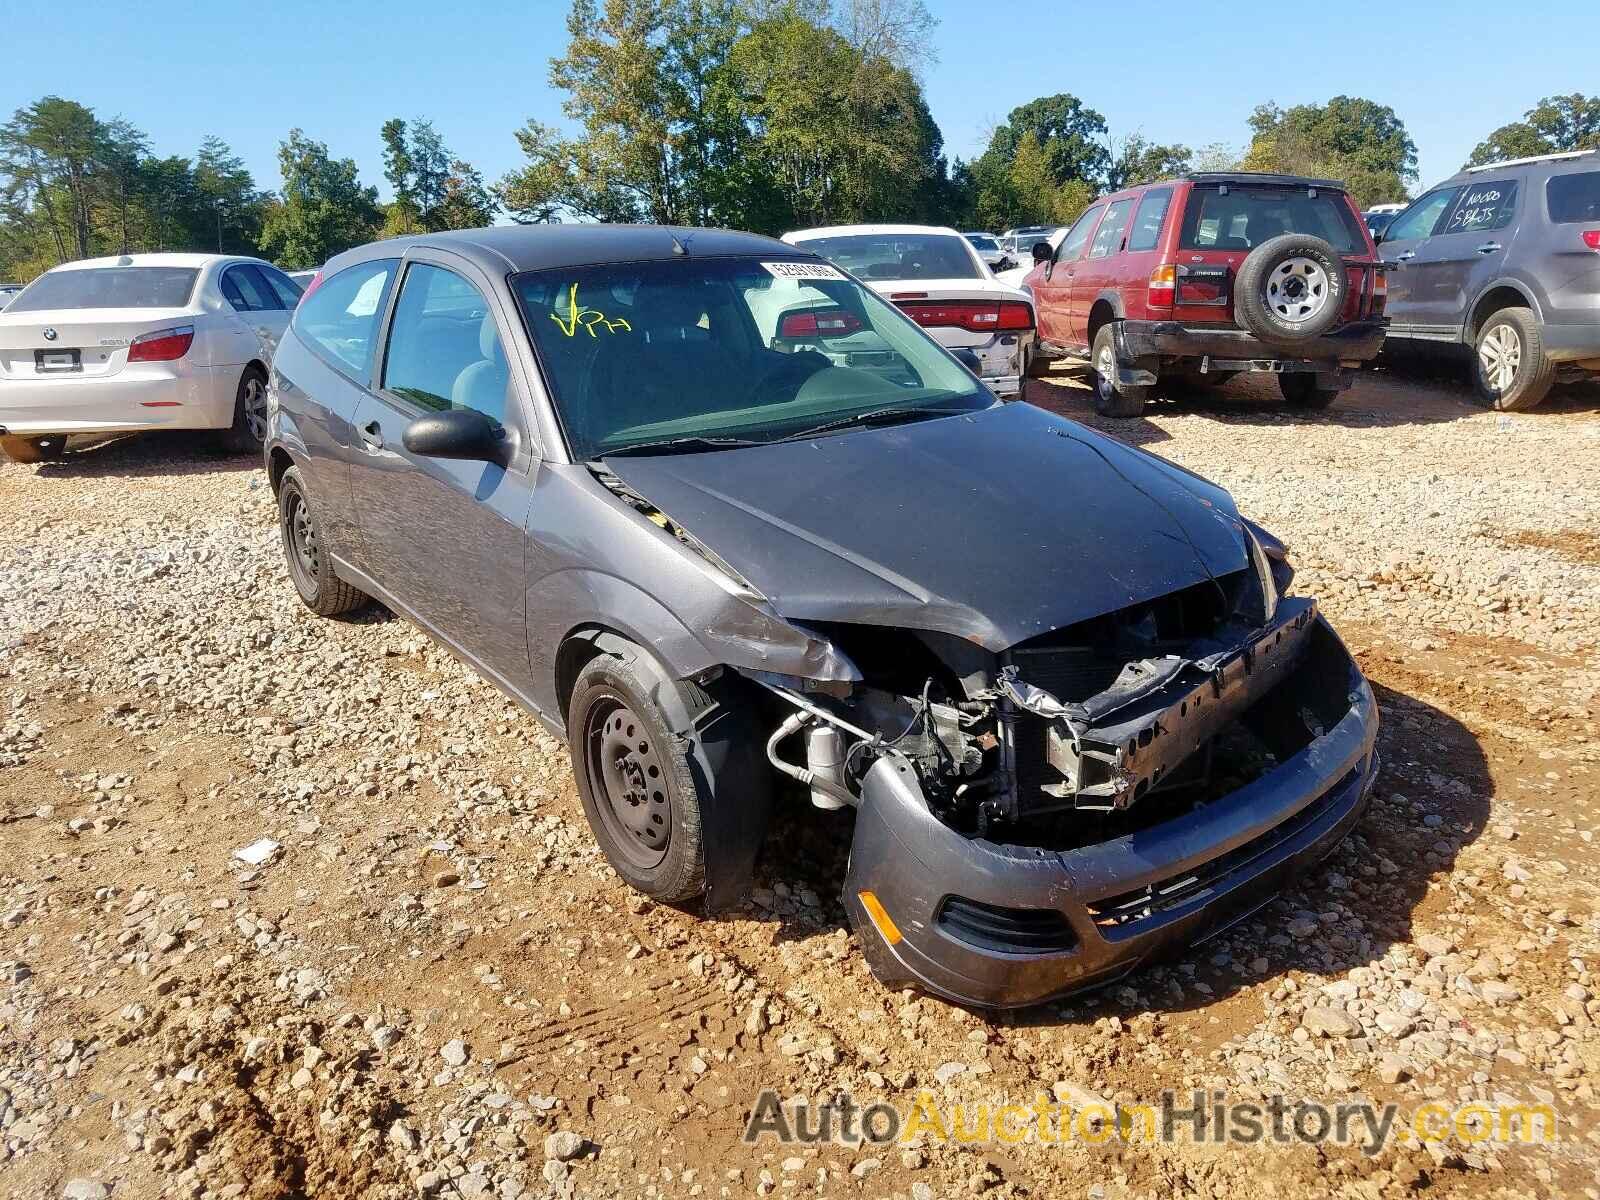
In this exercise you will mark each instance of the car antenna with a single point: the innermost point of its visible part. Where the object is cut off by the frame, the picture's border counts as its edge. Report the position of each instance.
(678, 247)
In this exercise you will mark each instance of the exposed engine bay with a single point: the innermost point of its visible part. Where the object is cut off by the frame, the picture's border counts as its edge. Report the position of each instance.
(1080, 734)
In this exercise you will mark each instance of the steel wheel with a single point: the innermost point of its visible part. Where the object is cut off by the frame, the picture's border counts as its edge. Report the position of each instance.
(307, 553)
(1297, 290)
(628, 777)
(1500, 357)
(254, 403)
(1105, 371)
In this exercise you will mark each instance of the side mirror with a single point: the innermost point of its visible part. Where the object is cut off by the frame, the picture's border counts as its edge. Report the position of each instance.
(969, 360)
(460, 433)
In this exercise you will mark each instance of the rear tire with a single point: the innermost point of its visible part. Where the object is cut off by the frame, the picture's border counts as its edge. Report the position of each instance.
(1510, 370)
(249, 429)
(310, 568)
(1300, 389)
(34, 450)
(1112, 399)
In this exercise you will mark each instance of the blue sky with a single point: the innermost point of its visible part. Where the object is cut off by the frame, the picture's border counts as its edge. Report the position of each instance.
(1177, 72)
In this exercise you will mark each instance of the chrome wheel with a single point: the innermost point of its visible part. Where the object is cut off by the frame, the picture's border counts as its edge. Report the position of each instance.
(1297, 290)
(628, 777)
(253, 401)
(1500, 357)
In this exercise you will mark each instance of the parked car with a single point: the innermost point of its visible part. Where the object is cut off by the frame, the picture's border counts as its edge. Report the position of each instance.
(1505, 259)
(989, 249)
(937, 279)
(8, 292)
(140, 342)
(303, 278)
(1211, 275)
(1062, 681)
(1379, 216)
(1017, 276)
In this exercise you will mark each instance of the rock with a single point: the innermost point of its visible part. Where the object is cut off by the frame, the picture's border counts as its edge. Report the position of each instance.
(563, 1145)
(301, 1079)
(403, 1137)
(446, 879)
(1321, 1021)
(554, 1170)
(385, 1037)
(1496, 992)
(948, 1071)
(1434, 945)
(85, 1189)
(1393, 1069)
(454, 1052)
(865, 1167)
(1301, 928)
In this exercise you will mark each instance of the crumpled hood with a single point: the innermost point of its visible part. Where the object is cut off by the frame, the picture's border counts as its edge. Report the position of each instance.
(995, 527)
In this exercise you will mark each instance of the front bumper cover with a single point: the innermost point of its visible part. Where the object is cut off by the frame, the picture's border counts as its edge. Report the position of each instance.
(1182, 880)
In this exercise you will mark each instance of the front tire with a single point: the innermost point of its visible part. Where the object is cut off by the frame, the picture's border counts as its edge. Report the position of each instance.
(310, 568)
(36, 449)
(1112, 399)
(249, 428)
(1301, 389)
(1511, 371)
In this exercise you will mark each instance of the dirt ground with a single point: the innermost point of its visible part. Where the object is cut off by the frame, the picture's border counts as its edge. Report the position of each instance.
(435, 972)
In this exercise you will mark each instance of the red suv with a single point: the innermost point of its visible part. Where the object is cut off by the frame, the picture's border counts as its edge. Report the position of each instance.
(1211, 275)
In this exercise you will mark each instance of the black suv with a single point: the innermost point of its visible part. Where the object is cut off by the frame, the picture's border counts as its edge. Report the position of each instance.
(1504, 258)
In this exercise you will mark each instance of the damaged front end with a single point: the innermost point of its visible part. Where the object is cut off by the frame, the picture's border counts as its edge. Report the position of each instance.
(1044, 819)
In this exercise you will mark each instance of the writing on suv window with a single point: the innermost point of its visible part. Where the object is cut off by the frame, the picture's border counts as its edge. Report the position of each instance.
(579, 317)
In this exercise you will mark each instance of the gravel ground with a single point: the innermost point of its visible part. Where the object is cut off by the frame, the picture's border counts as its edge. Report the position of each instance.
(434, 986)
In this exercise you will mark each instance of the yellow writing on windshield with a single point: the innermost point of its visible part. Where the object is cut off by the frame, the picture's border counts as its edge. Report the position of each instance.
(578, 317)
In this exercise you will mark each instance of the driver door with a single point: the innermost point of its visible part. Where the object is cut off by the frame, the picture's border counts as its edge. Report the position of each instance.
(1402, 241)
(1052, 287)
(445, 537)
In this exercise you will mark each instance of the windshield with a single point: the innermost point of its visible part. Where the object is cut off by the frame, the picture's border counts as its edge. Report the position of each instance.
(1245, 217)
(735, 350)
(107, 287)
(898, 255)
(981, 242)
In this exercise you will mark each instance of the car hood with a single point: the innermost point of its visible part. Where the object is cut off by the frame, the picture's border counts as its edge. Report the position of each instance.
(994, 526)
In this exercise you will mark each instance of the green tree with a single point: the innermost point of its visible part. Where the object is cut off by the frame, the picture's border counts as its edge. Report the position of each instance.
(1359, 141)
(324, 208)
(433, 189)
(1139, 161)
(1554, 125)
(229, 190)
(1066, 134)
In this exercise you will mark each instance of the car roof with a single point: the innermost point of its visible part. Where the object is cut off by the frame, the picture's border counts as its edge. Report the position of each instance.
(1558, 163)
(1256, 177)
(152, 260)
(805, 235)
(514, 248)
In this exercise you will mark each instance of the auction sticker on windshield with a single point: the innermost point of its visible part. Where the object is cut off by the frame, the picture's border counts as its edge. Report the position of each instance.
(803, 270)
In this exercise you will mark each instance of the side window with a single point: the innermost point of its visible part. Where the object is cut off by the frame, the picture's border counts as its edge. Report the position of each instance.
(244, 288)
(1574, 197)
(340, 317)
(1072, 244)
(288, 291)
(1108, 238)
(1152, 215)
(1483, 206)
(444, 350)
(1418, 220)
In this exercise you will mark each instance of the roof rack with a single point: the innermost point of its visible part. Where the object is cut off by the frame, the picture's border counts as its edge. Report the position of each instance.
(1248, 177)
(1532, 158)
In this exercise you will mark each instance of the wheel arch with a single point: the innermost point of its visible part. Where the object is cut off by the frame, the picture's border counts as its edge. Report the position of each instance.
(1107, 306)
(1501, 294)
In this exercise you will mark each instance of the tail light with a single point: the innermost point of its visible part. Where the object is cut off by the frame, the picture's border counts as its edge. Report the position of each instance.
(164, 345)
(823, 324)
(316, 282)
(975, 315)
(1380, 292)
(1163, 286)
(1591, 238)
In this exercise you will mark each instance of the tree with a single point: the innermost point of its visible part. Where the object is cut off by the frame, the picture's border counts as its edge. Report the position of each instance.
(464, 202)
(1139, 161)
(324, 207)
(1349, 138)
(1068, 140)
(1554, 125)
(229, 190)
(433, 189)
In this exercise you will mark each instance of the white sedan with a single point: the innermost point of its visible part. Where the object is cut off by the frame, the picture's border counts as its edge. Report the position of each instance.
(144, 341)
(937, 279)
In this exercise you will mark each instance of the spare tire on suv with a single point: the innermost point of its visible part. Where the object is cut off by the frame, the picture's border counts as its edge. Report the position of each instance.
(1290, 288)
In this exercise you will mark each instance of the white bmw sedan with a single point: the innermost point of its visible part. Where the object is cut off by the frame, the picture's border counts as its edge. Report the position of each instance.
(144, 341)
(938, 280)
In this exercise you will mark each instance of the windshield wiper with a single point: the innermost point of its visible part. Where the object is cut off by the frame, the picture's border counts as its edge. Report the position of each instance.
(878, 416)
(682, 445)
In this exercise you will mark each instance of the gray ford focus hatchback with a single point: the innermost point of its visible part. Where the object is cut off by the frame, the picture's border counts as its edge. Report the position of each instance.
(738, 529)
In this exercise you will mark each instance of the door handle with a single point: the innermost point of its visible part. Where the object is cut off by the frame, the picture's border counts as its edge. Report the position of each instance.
(1488, 247)
(372, 435)
(1409, 254)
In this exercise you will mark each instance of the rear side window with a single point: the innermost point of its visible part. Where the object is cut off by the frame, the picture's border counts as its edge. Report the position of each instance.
(1483, 206)
(1152, 215)
(248, 291)
(1108, 238)
(108, 287)
(340, 318)
(1241, 218)
(288, 290)
(1574, 197)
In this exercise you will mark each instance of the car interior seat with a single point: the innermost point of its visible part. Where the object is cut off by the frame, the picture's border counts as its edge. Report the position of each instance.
(481, 385)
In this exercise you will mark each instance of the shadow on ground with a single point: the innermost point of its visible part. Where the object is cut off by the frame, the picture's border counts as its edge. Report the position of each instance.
(132, 455)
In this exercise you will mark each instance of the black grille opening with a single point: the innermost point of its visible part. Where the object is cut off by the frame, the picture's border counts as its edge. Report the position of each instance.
(1006, 930)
